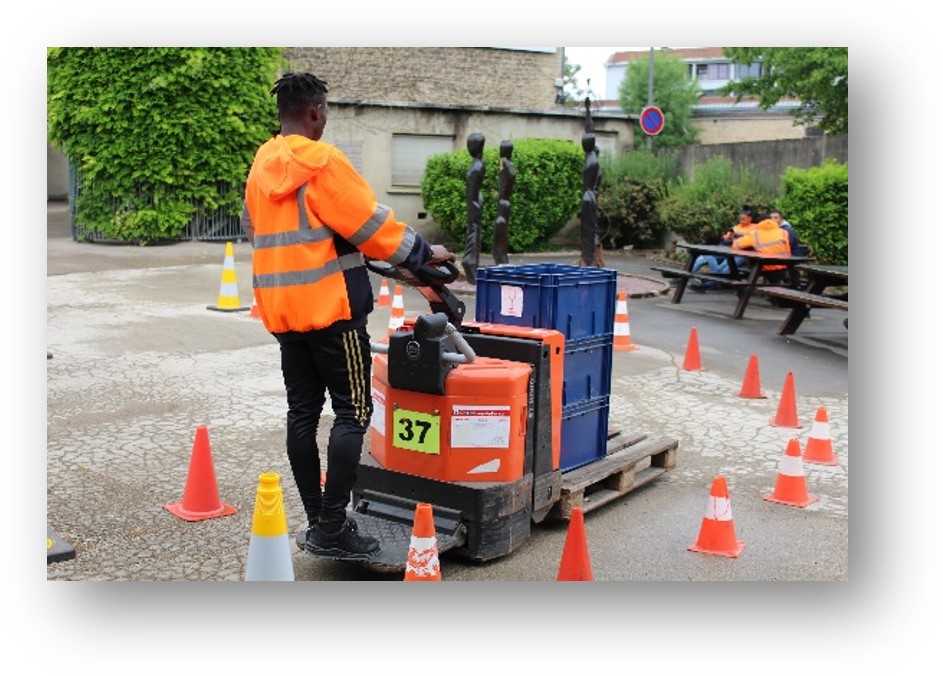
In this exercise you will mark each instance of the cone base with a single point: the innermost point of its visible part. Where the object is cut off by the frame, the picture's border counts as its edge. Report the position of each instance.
(732, 553)
(797, 426)
(792, 503)
(177, 509)
(227, 309)
(624, 348)
(816, 461)
(751, 396)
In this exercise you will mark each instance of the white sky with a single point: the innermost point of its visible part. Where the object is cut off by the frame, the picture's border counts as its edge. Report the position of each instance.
(591, 61)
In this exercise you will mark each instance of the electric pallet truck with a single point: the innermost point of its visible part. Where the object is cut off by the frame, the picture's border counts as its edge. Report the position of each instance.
(467, 417)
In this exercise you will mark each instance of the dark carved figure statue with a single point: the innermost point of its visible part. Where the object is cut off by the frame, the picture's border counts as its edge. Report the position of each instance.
(499, 247)
(588, 226)
(473, 181)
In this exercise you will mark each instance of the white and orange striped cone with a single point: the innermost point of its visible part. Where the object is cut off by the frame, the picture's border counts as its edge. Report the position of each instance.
(790, 483)
(384, 299)
(621, 332)
(397, 312)
(269, 558)
(228, 300)
(818, 447)
(422, 560)
(717, 534)
(254, 311)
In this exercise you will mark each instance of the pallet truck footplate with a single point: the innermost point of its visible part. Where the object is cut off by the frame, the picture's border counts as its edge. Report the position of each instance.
(392, 526)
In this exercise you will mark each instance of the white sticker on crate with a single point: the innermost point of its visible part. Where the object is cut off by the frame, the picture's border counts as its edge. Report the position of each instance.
(512, 301)
(480, 426)
(378, 419)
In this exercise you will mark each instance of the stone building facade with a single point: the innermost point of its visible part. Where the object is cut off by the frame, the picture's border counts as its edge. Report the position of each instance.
(456, 76)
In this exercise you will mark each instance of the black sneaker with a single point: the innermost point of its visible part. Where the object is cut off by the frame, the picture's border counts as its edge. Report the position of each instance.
(346, 543)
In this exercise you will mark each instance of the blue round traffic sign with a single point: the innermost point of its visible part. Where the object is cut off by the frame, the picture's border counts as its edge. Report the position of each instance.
(652, 120)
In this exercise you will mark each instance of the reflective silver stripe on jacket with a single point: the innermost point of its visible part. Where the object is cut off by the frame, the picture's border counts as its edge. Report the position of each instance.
(303, 235)
(309, 276)
(766, 245)
(402, 251)
(369, 229)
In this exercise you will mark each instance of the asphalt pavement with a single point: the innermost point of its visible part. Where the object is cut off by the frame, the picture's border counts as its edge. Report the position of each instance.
(139, 361)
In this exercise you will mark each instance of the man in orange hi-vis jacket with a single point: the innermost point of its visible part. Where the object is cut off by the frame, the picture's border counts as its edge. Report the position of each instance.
(312, 218)
(766, 237)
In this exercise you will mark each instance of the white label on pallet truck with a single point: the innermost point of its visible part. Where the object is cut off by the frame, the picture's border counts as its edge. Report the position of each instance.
(512, 301)
(378, 419)
(481, 426)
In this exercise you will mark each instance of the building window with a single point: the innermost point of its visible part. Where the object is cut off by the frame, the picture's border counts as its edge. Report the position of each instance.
(713, 71)
(753, 70)
(410, 152)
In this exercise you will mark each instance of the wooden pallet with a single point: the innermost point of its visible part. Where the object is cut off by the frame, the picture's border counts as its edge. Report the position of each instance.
(599, 483)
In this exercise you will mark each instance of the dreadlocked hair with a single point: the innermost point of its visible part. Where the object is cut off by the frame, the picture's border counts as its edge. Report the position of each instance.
(294, 92)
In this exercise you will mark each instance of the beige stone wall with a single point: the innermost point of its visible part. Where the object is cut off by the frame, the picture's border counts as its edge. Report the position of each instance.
(365, 133)
(461, 76)
(745, 129)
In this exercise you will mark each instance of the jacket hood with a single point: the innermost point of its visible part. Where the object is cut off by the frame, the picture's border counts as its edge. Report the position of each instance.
(284, 163)
(767, 224)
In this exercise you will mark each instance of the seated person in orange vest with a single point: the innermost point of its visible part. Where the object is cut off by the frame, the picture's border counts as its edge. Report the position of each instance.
(716, 264)
(767, 237)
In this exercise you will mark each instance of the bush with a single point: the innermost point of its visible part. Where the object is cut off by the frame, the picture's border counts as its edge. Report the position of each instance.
(815, 202)
(159, 134)
(700, 210)
(547, 191)
(631, 188)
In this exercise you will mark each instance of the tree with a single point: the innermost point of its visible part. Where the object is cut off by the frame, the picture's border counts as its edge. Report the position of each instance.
(672, 92)
(817, 76)
(157, 135)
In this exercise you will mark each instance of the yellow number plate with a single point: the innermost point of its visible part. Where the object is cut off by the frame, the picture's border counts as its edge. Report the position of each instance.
(416, 431)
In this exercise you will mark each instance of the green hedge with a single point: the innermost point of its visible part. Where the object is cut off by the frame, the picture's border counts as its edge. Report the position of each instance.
(547, 191)
(815, 202)
(701, 209)
(632, 185)
(158, 134)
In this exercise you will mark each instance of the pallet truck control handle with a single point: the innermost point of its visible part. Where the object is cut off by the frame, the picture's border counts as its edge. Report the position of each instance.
(441, 327)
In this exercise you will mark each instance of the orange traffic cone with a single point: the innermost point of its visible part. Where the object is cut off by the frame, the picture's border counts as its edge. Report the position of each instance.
(269, 558)
(422, 560)
(397, 311)
(254, 311)
(621, 333)
(201, 495)
(575, 565)
(786, 415)
(818, 448)
(751, 380)
(717, 534)
(790, 483)
(228, 300)
(692, 359)
(384, 299)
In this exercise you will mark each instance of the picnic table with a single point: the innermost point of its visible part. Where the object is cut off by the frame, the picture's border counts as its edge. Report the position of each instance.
(744, 280)
(811, 294)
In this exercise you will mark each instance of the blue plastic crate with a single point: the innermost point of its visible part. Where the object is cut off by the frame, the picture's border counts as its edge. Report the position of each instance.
(587, 369)
(576, 301)
(584, 430)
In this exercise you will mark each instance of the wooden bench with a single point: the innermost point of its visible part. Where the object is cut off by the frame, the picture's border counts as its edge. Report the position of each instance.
(801, 303)
(676, 273)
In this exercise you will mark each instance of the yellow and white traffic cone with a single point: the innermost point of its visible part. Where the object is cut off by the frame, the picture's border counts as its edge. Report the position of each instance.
(228, 300)
(269, 557)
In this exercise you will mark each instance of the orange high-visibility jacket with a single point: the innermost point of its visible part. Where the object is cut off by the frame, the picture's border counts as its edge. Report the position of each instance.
(767, 237)
(312, 219)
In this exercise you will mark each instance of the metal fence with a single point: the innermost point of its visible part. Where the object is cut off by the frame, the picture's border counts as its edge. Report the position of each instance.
(204, 227)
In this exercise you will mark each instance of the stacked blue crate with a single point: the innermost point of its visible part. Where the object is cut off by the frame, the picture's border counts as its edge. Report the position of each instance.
(580, 303)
